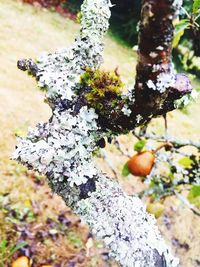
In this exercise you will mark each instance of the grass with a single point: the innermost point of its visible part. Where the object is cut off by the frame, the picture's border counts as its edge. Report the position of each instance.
(25, 32)
(7, 250)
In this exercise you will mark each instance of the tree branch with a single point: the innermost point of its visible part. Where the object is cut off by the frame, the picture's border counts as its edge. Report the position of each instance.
(157, 84)
(177, 143)
(62, 148)
(187, 203)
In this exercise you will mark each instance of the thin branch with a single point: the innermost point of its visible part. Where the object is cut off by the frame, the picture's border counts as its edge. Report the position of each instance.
(166, 126)
(176, 142)
(108, 162)
(119, 147)
(187, 203)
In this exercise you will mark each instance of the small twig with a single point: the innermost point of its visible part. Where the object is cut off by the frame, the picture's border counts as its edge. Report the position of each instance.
(118, 146)
(176, 143)
(137, 135)
(143, 130)
(185, 11)
(28, 65)
(187, 203)
(166, 145)
(104, 156)
(116, 71)
(196, 18)
(166, 126)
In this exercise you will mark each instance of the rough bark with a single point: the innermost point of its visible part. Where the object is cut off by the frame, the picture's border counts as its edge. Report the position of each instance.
(62, 148)
(196, 41)
(157, 84)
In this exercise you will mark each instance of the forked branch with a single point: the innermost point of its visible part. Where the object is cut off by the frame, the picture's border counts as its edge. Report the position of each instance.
(62, 148)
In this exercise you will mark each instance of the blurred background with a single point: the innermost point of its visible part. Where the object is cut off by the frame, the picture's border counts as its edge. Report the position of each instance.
(34, 222)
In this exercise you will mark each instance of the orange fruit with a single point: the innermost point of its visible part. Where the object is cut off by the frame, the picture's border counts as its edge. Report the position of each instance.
(22, 261)
(141, 164)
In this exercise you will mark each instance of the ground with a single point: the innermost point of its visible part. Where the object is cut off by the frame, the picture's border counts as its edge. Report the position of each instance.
(28, 210)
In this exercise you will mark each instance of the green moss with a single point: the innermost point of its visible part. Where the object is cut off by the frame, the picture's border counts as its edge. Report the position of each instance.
(102, 88)
(79, 17)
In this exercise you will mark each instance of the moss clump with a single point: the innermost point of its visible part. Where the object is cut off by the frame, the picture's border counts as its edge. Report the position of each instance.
(102, 89)
(79, 17)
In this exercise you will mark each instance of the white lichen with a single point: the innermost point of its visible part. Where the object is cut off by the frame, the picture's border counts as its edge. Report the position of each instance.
(126, 110)
(151, 85)
(186, 100)
(177, 3)
(163, 81)
(59, 72)
(117, 219)
(62, 147)
(138, 118)
(153, 54)
(157, 67)
(160, 48)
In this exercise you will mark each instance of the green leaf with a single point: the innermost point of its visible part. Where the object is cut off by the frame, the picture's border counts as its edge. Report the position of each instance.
(125, 170)
(186, 162)
(140, 145)
(196, 6)
(3, 245)
(180, 28)
(18, 246)
(194, 195)
(194, 192)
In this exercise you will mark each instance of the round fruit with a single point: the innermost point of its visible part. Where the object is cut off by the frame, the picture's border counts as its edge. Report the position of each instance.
(22, 261)
(141, 164)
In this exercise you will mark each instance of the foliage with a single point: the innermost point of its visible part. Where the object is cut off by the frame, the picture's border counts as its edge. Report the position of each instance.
(194, 195)
(196, 6)
(188, 21)
(125, 170)
(140, 145)
(187, 35)
(7, 250)
(174, 171)
(180, 28)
